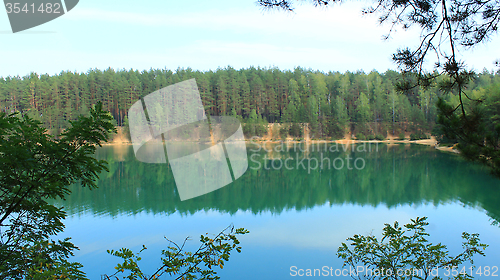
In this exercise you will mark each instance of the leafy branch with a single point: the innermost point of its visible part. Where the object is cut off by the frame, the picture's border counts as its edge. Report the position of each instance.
(213, 252)
(406, 249)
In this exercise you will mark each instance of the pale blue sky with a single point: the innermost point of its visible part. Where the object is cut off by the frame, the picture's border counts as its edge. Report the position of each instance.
(206, 35)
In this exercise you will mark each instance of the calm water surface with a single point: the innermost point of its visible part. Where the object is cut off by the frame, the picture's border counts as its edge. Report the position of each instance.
(297, 215)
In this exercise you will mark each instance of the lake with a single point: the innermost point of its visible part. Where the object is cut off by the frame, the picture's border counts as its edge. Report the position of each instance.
(297, 215)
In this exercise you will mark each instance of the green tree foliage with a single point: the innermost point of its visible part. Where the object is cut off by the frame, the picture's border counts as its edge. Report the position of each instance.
(296, 130)
(339, 122)
(447, 27)
(34, 167)
(300, 96)
(405, 253)
(255, 125)
(331, 104)
(477, 132)
(179, 264)
(363, 112)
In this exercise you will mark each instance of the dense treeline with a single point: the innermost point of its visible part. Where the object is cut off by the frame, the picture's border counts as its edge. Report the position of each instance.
(331, 103)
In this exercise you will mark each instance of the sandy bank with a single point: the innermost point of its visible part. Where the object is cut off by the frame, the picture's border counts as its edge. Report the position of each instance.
(120, 140)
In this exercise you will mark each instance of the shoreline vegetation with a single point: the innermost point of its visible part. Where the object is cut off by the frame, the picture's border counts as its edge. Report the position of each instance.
(332, 103)
(120, 138)
(293, 105)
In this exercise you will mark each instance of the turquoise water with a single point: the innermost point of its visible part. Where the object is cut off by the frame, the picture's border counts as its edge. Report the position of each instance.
(297, 215)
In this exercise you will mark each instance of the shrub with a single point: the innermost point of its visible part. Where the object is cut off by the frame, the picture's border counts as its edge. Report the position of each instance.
(35, 167)
(401, 136)
(213, 252)
(260, 129)
(360, 136)
(333, 129)
(296, 130)
(284, 130)
(250, 129)
(418, 136)
(408, 249)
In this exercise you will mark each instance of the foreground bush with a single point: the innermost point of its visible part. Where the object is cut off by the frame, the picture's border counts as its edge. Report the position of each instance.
(176, 262)
(35, 167)
(402, 251)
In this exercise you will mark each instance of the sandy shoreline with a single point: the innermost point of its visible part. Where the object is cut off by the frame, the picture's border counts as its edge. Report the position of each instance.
(120, 139)
(346, 141)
